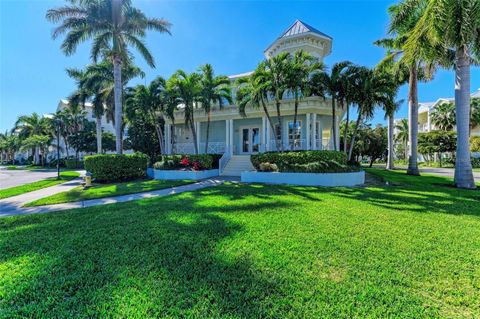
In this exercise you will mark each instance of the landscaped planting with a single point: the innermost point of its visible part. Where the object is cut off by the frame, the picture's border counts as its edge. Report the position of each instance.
(114, 168)
(410, 250)
(303, 162)
(187, 162)
(22, 189)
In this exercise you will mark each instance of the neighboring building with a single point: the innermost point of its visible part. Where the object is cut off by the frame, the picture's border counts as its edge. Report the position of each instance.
(234, 135)
(425, 110)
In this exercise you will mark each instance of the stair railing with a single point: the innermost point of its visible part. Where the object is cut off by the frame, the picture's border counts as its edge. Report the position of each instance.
(222, 163)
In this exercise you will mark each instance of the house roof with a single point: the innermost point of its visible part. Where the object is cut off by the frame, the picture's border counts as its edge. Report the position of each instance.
(299, 27)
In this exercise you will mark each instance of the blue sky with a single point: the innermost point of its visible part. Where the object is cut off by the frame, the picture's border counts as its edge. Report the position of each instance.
(231, 35)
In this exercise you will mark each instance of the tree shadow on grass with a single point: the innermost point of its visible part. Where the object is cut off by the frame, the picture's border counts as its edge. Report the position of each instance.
(97, 262)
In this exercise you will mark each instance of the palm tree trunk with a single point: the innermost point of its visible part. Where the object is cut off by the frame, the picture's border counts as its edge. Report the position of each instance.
(463, 165)
(208, 131)
(357, 124)
(334, 124)
(174, 150)
(99, 134)
(270, 121)
(345, 134)
(117, 75)
(413, 122)
(37, 155)
(390, 164)
(280, 135)
(194, 133)
(295, 114)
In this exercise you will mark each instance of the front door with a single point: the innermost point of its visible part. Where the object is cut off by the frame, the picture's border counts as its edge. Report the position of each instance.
(250, 140)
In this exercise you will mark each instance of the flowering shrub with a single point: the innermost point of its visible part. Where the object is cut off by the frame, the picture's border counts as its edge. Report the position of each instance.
(188, 162)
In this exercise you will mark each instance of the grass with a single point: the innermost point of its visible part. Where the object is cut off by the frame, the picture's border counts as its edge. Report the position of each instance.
(26, 188)
(28, 167)
(106, 190)
(252, 251)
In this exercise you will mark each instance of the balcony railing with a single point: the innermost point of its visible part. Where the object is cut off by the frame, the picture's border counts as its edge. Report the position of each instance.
(189, 148)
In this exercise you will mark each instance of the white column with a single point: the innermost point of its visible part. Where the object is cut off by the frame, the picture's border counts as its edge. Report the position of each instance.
(267, 137)
(167, 138)
(197, 129)
(314, 131)
(338, 132)
(263, 140)
(307, 130)
(227, 134)
(230, 136)
(429, 123)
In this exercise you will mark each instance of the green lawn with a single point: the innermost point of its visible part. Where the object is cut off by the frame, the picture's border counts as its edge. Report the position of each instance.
(28, 167)
(17, 190)
(106, 190)
(411, 250)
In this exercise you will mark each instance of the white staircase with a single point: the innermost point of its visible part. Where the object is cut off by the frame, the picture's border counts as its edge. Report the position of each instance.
(237, 164)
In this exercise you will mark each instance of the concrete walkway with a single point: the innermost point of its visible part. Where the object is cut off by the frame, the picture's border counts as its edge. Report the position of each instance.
(15, 209)
(13, 203)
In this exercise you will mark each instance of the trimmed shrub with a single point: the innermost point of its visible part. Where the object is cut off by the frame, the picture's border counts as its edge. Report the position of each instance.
(476, 162)
(73, 163)
(295, 161)
(115, 168)
(189, 162)
(304, 162)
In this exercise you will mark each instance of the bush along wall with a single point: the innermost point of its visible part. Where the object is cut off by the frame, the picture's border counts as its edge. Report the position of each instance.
(116, 168)
(73, 164)
(187, 162)
(303, 162)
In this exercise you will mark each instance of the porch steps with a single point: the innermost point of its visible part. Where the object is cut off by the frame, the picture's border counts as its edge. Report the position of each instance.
(237, 164)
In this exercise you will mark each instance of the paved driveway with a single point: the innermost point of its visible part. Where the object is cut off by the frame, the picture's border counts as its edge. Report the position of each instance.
(12, 178)
(449, 172)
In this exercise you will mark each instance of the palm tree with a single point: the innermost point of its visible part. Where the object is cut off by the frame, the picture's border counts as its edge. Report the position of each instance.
(214, 90)
(9, 144)
(28, 126)
(333, 84)
(150, 100)
(253, 92)
(452, 29)
(300, 68)
(188, 90)
(273, 72)
(113, 25)
(402, 22)
(374, 89)
(402, 134)
(443, 116)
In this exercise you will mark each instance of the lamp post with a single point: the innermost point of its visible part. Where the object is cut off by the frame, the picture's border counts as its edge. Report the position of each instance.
(56, 123)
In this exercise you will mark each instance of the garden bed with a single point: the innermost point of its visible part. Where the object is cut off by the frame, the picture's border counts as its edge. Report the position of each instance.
(305, 179)
(184, 174)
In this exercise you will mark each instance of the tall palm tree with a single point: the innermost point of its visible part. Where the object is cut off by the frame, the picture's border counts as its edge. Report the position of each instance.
(443, 116)
(333, 84)
(402, 135)
(390, 109)
(187, 88)
(452, 29)
(300, 68)
(33, 125)
(113, 25)
(214, 90)
(402, 22)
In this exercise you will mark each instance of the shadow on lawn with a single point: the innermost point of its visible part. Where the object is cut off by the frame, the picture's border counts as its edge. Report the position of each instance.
(165, 250)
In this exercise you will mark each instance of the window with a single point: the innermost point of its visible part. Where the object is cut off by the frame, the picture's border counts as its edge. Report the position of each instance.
(325, 138)
(294, 133)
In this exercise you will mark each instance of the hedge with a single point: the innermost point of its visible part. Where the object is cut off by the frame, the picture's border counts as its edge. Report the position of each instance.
(73, 163)
(116, 168)
(304, 161)
(193, 162)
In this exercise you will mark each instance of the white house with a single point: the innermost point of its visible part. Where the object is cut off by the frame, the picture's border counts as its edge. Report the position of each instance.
(237, 137)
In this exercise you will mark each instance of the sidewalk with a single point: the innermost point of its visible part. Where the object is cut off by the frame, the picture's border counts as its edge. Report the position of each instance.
(14, 208)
